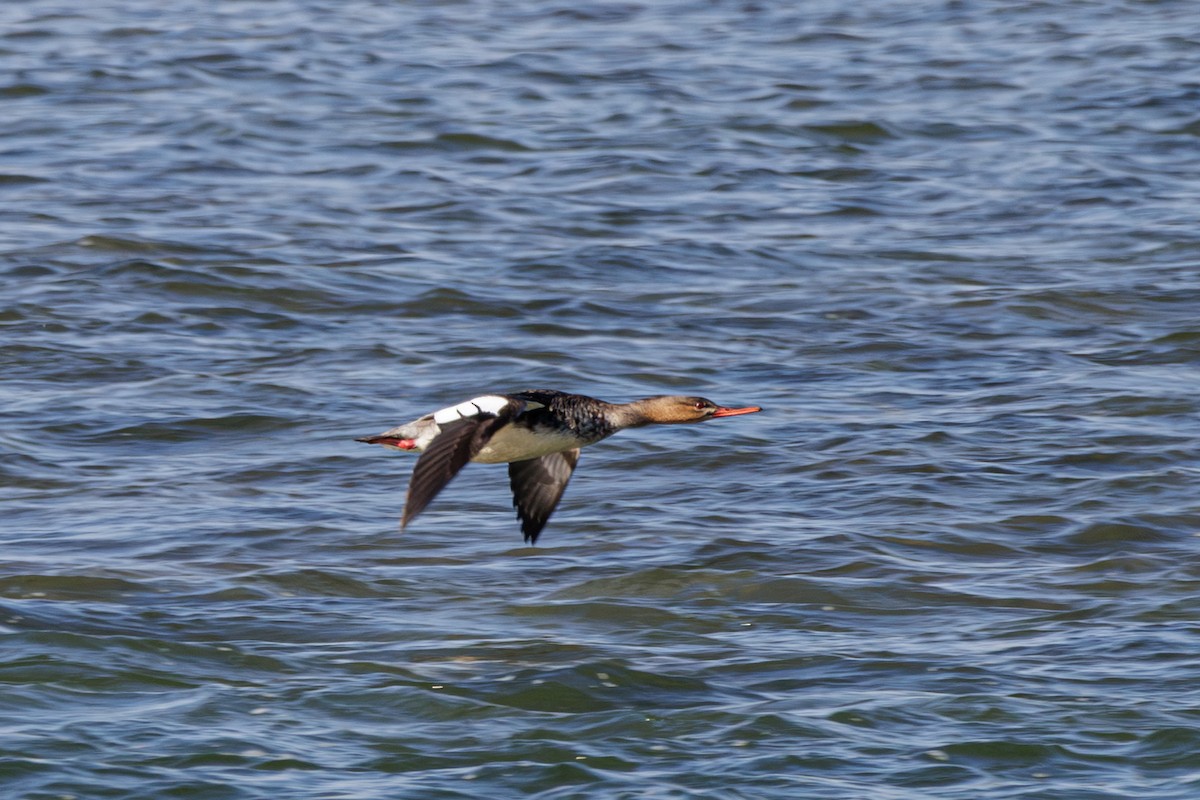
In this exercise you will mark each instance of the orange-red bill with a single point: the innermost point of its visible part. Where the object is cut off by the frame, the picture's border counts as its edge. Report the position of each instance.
(733, 412)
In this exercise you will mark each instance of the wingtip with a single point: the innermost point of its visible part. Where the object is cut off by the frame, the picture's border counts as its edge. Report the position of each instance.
(405, 516)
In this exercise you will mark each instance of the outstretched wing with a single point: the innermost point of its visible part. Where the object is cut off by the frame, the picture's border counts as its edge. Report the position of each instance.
(443, 458)
(537, 486)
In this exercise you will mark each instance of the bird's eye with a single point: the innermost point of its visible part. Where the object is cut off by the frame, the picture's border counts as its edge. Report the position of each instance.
(700, 406)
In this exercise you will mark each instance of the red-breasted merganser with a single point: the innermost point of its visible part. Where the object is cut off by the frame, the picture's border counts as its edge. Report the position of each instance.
(537, 432)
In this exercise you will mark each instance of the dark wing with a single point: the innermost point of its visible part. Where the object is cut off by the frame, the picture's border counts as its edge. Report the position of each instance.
(441, 461)
(537, 486)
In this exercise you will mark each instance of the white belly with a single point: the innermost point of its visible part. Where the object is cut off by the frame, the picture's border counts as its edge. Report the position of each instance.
(519, 444)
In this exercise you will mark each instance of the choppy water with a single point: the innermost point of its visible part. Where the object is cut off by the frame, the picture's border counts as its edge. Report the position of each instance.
(952, 247)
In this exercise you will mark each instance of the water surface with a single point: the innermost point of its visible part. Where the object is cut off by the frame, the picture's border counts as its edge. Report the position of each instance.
(951, 247)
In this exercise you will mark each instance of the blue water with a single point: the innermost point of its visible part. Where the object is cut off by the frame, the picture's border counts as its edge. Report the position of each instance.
(951, 248)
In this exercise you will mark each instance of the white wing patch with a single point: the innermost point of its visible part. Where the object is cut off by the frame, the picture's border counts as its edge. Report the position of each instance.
(490, 404)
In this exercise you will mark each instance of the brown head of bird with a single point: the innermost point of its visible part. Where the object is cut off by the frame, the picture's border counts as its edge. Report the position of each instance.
(673, 409)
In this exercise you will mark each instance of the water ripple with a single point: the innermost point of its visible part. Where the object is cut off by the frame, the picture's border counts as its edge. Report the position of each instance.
(949, 248)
